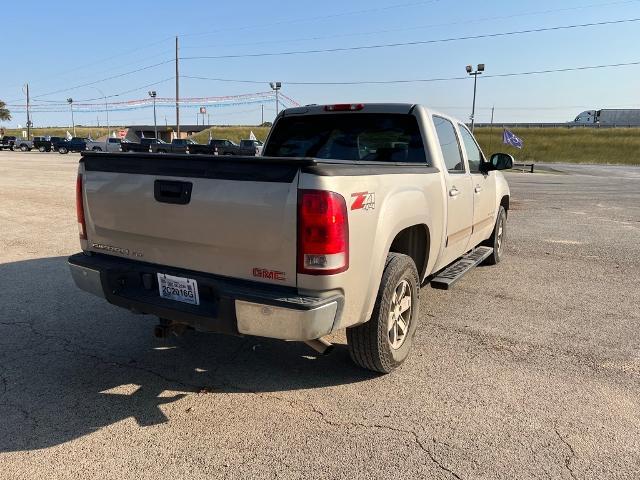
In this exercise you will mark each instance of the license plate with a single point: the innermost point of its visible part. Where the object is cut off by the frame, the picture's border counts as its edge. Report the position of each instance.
(179, 289)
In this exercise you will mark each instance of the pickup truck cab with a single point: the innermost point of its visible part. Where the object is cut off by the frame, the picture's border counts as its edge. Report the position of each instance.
(110, 145)
(350, 210)
(7, 142)
(76, 144)
(177, 145)
(45, 144)
(142, 146)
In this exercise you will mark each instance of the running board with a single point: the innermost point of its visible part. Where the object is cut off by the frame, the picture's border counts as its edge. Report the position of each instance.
(445, 279)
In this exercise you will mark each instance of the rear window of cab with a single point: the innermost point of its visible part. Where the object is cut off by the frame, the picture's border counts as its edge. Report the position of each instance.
(367, 137)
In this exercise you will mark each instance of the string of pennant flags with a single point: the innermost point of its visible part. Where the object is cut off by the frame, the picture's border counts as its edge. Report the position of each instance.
(161, 102)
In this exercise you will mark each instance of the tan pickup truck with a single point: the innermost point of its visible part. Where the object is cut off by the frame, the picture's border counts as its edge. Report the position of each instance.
(349, 212)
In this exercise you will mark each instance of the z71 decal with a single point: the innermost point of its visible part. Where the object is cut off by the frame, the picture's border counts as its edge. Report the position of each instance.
(363, 201)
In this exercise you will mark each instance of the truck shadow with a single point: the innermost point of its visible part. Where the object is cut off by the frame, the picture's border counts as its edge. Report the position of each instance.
(71, 364)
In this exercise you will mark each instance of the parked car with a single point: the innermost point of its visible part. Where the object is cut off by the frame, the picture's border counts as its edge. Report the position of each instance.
(177, 145)
(256, 145)
(45, 144)
(111, 145)
(142, 146)
(349, 212)
(23, 145)
(227, 147)
(76, 144)
(7, 142)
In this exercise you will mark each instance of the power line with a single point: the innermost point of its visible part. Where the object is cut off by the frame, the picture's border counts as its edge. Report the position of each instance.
(417, 42)
(420, 27)
(312, 19)
(422, 80)
(75, 87)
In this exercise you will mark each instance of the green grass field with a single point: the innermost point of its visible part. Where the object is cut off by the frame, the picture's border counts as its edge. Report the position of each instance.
(572, 145)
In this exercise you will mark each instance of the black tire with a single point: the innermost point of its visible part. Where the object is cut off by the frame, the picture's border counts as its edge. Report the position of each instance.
(371, 343)
(497, 238)
(24, 148)
(42, 149)
(97, 149)
(63, 150)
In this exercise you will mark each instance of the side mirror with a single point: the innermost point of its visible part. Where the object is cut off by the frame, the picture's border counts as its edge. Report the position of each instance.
(502, 161)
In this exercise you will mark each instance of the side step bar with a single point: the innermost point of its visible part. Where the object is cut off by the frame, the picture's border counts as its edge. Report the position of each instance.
(445, 279)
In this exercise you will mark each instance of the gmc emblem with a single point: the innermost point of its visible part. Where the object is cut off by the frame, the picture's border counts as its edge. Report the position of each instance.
(269, 274)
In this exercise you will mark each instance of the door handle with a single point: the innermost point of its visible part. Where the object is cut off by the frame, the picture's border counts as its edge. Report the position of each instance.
(478, 189)
(454, 192)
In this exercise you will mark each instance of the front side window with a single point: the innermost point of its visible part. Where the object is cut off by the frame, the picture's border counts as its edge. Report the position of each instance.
(474, 155)
(449, 145)
(367, 137)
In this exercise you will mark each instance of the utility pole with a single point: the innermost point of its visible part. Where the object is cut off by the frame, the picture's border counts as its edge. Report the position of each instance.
(28, 115)
(262, 116)
(177, 93)
(475, 74)
(493, 109)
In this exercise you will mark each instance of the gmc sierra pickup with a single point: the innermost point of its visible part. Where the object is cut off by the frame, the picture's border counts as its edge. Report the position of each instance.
(350, 211)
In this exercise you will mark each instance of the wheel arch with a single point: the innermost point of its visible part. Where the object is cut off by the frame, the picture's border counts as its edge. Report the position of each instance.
(415, 242)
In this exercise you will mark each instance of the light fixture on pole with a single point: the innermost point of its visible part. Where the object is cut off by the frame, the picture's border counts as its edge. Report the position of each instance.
(73, 123)
(475, 74)
(153, 94)
(276, 86)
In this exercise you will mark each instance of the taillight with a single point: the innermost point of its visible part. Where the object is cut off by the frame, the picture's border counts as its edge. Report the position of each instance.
(344, 107)
(82, 227)
(323, 233)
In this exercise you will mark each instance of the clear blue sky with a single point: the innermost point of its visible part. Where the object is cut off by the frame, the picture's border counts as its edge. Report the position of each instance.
(80, 42)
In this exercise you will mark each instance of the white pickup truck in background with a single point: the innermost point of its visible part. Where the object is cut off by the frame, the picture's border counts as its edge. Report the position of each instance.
(350, 210)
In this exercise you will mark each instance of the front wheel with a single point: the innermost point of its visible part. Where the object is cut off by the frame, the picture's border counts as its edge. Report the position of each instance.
(24, 148)
(42, 149)
(383, 343)
(97, 149)
(497, 238)
(63, 150)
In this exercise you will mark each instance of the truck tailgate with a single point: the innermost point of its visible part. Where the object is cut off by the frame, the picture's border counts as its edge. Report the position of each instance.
(235, 218)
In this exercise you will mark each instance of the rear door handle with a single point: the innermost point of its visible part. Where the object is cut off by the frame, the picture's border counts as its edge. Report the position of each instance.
(478, 189)
(454, 192)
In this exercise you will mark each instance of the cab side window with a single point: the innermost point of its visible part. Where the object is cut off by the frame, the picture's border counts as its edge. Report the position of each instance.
(474, 154)
(449, 145)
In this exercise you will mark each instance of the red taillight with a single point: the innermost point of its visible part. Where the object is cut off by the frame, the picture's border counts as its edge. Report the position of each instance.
(82, 227)
(323, 233)
(344, 107)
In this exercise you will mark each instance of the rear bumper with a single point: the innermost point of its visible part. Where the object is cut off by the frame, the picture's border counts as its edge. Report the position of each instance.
(226, 305)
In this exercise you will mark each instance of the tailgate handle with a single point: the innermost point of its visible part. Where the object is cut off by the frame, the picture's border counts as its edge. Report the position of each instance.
(170, 191)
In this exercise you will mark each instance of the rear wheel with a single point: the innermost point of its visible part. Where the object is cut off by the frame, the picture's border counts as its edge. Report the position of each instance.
(24, 148)
(42, 149)
(497, 238)
(383, 343)
(97, 149)
(63, 150)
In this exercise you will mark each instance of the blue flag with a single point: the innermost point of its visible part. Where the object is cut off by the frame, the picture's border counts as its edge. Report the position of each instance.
(510, 138)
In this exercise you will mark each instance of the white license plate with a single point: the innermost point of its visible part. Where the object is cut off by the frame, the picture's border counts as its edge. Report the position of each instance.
(179, 289)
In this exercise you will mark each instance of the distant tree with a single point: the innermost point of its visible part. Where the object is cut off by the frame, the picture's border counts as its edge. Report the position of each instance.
(266, 124)
(5, 114)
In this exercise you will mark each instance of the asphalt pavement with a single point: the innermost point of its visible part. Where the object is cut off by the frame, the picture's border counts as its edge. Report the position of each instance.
(528, 369)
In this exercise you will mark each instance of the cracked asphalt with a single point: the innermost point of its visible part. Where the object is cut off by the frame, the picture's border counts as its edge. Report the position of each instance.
(529, 369)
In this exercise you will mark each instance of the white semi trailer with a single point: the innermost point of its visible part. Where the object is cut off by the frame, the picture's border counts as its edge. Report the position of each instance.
(619, 116)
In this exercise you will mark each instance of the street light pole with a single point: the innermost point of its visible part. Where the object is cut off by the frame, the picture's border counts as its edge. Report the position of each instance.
(73, 123)
(152, 94)
(475, 74)
(276, 86)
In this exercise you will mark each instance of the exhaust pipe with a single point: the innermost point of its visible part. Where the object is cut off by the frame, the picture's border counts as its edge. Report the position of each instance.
(320, 345)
